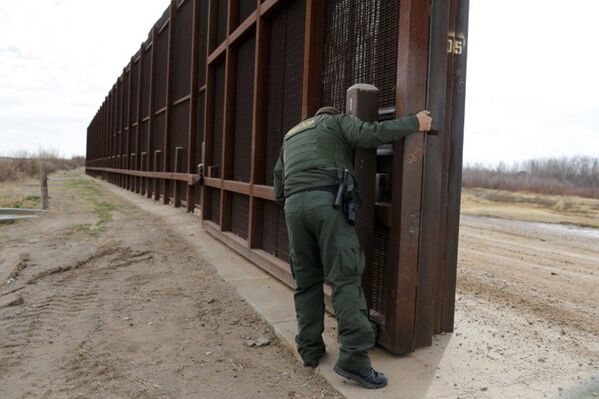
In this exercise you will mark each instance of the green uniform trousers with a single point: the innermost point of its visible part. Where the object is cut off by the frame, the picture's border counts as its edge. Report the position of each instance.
(324, 247)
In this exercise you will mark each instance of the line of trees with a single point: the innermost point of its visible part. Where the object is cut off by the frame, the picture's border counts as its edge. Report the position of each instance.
(576, 175)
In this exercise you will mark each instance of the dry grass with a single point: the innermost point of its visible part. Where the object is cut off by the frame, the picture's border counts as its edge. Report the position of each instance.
(25, 165)
(574, 176)
(531, 207)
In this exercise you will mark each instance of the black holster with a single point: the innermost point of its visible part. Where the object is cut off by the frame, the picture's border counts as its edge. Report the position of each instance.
(348, 196)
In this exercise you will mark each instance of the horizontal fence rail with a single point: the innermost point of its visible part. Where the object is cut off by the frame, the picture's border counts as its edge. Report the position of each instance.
(197, 118)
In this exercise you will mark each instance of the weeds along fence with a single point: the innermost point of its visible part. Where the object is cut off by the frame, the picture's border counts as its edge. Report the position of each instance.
(26, 165)
(219, 82)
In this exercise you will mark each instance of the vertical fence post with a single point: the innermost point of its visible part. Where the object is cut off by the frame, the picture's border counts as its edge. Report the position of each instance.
(228, 127)
(166, 183)
(313, 55)
(207, 147)
(157, 167)
(193, 102)
(44, 184)
(432, 240)
(130, 158)
(152, 159)
(459, 17)
(179, 151)
(139, 180)
(413, 54)
(144, 167)
(256, 209)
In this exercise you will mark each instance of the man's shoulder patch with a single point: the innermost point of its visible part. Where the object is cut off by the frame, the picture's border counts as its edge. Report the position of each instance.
(305, 125)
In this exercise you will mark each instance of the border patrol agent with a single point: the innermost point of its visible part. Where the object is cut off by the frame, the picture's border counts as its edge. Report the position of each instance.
(323, 243)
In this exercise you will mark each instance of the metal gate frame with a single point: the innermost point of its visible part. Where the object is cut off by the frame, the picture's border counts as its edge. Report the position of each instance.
(184, 100)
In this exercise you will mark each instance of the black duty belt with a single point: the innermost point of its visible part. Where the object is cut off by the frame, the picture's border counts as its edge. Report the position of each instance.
(329, 189)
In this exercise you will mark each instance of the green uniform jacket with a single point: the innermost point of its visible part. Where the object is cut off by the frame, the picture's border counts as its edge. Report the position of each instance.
(313, 151)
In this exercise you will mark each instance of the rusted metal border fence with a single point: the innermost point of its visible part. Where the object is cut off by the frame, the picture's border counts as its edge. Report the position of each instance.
(219, 82)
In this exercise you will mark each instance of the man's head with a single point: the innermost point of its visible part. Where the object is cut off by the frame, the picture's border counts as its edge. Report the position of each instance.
(327, 110)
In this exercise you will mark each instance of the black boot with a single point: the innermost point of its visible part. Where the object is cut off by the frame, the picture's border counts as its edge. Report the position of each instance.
(313, 363)
(368, 378)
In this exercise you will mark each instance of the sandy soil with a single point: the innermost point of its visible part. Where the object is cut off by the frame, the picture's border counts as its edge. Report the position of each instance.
(103, 302)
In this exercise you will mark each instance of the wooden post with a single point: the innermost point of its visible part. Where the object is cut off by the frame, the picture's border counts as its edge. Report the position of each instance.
(44, 184)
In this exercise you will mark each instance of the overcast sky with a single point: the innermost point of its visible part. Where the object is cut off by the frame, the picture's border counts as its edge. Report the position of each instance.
(532, 85)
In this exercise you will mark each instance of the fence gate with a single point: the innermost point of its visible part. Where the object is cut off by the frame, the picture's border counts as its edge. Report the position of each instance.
(219, 83)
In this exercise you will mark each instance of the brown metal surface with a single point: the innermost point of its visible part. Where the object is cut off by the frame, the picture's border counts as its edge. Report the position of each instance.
(219, 82)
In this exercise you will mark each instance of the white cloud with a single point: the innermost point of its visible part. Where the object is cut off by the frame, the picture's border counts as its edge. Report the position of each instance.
(58, 59)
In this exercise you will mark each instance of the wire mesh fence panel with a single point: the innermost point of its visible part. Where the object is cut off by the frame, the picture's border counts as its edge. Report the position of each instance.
(163, 18)
(269, 227)
(285, 71)
(361, 44)
(179, 131)
(246, 8)
(240, 209)
(217, 131)
(143, 137)
(160, 75)
(244, 105)
(134, 105)
(275, 239)
(282, 235)
(182, 50)
(125, 119)
(133, 147)
(200, 109)
(379, 272)
(203, 43)
(214, 195)
(145, 83)
(158, 132)
(221, 22)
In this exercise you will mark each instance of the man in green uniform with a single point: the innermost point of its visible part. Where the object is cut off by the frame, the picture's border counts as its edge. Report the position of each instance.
(323, 244)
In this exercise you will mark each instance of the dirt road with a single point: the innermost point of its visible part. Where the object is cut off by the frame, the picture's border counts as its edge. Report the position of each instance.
(551, 271)
(107, 301)
(527, 320)
(115, 305)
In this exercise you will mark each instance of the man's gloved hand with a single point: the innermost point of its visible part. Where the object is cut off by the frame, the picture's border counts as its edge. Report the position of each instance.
(424, 120)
